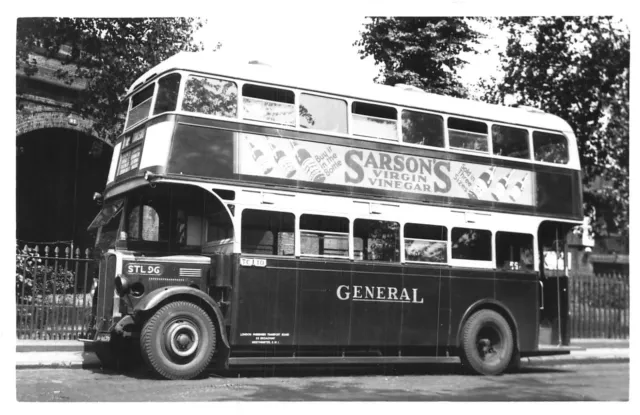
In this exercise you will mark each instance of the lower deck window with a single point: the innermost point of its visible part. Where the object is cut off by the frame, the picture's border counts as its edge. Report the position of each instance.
(471, 244)
(425, 243)
(267, 232)
(376, 240)
(324, 236)
(514, 251)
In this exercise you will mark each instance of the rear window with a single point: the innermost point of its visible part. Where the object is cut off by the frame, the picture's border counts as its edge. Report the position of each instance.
(167, 97)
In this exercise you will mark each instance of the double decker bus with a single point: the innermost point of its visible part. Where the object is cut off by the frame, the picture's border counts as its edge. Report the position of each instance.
(255, 217)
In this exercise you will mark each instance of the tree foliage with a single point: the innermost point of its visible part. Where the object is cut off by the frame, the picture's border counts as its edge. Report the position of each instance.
(108, 53)
(578, 69)
(421, 51)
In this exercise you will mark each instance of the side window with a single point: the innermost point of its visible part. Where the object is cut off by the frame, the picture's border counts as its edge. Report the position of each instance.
(550, 147)
(422, 128)
(140, 106)
(425, 243)
(467, 134)
(372, 120)
(324, 236)
(323, 113)
(263, 103)
(267, 233)
(167, 96)
(514, 251)
(211, 96)
(471, 244)
(376, 240)
(510, 141)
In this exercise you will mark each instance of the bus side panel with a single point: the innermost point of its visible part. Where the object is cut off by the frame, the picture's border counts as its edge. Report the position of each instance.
(374, 322)
(519, 293)
(322, 318)
(421, 322)
(264, 305)
(467, 287)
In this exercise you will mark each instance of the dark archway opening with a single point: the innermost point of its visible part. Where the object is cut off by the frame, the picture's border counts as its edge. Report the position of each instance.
(57, 173)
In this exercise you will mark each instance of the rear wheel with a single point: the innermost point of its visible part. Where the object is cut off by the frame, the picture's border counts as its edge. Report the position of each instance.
(178, 341)
(487, 343)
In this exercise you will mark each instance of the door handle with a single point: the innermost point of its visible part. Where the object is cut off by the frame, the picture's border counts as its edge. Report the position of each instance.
(541, 295)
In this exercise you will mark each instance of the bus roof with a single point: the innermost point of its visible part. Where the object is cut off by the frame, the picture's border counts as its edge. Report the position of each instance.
(212, 63)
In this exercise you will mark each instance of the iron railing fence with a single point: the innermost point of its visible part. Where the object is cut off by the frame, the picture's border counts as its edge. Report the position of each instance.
(53, 293)
(599, 306)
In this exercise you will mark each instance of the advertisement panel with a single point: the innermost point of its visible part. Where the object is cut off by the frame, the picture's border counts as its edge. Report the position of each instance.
(281, 158)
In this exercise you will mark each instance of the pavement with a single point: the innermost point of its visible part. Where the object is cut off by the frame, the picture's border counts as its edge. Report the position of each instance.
(32, 354)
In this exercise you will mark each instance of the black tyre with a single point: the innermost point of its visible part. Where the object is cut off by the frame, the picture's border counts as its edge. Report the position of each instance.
(487, 343)
(178, 341)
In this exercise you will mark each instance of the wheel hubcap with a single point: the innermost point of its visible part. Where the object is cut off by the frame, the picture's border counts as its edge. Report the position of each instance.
(182, 338)
(489, 343)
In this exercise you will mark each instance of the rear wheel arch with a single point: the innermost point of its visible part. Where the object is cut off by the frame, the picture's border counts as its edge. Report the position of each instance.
(497, 307)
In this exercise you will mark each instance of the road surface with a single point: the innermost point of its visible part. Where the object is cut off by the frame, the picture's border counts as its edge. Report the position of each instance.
(582, 382)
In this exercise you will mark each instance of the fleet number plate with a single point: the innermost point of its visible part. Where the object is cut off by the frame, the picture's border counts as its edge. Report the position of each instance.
(253, 262)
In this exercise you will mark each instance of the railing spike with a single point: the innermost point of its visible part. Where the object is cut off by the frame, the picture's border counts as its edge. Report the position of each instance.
(25, 249)
(86, 253)
(77, 253)
(67, 252)
(46, 250)
(37, 249)
(56, 251)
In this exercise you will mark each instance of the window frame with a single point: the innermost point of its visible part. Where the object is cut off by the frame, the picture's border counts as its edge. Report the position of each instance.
(352, 122)
(274, 210)
(183, 90)
(152, 99)
(295, 106)
(472, 263)
(557, 133)
(418, 145)
(529, 142)
(446, 241)
(300, 93)
(487, 135)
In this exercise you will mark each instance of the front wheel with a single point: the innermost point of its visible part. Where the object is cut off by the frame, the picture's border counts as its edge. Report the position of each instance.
(487, 343)
(178, 341)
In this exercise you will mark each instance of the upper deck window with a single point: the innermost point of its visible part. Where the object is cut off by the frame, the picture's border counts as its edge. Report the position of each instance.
(550, 147)
(263, 103)
(510, 141)
(323, 113)
(140, 106)
(422, 128)
(468, 134)
(211, 96)
(167, 97)
(372, 120)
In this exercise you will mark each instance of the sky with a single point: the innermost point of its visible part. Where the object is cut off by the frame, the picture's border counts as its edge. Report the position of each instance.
(323, 47)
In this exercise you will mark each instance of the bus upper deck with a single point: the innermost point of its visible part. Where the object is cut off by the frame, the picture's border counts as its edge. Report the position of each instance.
(246, 124)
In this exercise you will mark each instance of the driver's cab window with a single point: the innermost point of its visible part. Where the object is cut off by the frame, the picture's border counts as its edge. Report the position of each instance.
(168, 219)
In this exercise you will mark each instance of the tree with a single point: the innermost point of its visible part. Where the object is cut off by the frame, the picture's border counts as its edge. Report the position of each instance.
(109, 54)
(421, 51)
(578, 69)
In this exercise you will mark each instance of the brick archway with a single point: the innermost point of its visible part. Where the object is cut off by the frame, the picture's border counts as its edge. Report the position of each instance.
(44, 119)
